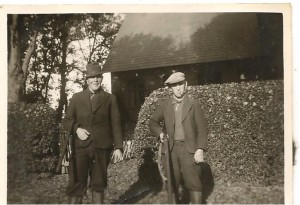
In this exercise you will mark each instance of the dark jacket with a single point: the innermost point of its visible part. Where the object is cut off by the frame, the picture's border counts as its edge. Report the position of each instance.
(194, 124)
(103, 123)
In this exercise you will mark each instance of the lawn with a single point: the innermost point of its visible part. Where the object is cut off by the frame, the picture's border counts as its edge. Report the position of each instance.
(130, 182)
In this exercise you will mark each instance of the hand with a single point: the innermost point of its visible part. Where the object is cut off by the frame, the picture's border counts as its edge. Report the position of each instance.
(198, 156)
(162, 136)
(117, 156)
(82, 134)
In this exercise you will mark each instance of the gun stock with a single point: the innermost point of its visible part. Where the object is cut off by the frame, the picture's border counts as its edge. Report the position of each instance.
(64, 147)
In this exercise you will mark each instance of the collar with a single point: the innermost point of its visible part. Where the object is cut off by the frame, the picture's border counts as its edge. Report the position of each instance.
(93, 92)
(175, 100)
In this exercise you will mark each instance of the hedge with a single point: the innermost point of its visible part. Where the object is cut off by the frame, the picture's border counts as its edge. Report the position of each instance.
(32, 139)
(246, 129)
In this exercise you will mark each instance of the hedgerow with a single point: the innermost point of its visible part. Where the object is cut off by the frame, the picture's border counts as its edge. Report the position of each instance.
(32, 139)
(246, 129)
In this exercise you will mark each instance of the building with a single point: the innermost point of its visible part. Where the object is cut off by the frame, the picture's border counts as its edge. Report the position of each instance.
(207, 47)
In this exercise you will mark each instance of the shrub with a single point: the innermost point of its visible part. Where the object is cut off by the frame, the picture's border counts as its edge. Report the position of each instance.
(32, 139)
(246, 129)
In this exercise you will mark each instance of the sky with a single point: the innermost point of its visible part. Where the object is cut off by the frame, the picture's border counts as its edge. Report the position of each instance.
(162, 21)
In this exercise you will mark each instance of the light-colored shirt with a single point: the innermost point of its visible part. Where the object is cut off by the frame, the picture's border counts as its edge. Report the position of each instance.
(179, 132)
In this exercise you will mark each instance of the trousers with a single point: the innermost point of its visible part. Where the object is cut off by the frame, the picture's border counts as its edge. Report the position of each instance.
(88, 164)
(184, 169)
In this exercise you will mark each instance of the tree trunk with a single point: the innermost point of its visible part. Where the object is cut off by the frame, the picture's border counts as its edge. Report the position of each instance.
(63, 102)
(29, 52)
(15, 73)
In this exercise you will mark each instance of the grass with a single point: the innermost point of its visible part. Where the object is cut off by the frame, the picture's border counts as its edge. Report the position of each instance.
(131, 182)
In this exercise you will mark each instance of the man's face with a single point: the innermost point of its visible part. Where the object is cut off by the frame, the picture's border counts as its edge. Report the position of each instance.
(95, 82)
(179, 89)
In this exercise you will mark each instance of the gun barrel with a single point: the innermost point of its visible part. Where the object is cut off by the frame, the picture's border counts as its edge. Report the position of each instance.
(168, 169)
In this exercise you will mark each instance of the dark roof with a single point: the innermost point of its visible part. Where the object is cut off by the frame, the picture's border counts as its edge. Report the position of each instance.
(159, 40)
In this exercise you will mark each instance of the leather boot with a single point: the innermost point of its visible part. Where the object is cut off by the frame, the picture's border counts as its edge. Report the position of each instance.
(195, 197)
(98, 197)
(75, 200)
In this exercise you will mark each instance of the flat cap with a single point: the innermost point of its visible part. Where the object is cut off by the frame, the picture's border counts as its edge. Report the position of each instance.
(175, 78)
(93, 69)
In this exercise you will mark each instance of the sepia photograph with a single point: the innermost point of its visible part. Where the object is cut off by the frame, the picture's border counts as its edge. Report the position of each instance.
(149, 105)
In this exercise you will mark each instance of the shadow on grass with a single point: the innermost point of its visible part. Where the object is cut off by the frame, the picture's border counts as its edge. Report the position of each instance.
(149, 181)
(208, 184)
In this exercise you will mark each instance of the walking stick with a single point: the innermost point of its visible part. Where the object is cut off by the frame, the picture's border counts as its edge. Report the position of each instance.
(64, 147)
(168, 169)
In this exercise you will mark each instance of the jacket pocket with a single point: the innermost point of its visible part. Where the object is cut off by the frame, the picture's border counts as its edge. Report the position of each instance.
(82, 143)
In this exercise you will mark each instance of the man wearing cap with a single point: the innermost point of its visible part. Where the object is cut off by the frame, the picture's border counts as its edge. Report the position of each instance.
(186, 130)
(97, 133)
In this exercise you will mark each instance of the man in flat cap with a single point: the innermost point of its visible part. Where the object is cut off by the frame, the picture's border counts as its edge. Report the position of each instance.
(95, 118)
(186, 130)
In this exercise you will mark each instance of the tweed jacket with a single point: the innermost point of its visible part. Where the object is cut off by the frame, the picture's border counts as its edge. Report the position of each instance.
(194, 124)
(103, 123)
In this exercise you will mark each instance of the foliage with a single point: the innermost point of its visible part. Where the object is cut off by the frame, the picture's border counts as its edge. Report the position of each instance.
(246, 129)
(60, 47)
(32, 139)
(95, 34)
(65, 44)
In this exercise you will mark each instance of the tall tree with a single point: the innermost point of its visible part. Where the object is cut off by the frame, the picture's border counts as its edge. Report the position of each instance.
(15, 73)
(63, 102)
(45, 62)
(94, 36)
(99, 31)
(64, 23)
(21, 47)
(64, 44)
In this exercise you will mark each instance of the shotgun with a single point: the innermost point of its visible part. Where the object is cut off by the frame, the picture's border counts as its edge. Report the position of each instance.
(64, 147)
(168, 164)
(168, 169)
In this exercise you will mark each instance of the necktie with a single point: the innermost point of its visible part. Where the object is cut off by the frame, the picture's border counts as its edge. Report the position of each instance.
(177, 103)
(94, 101)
